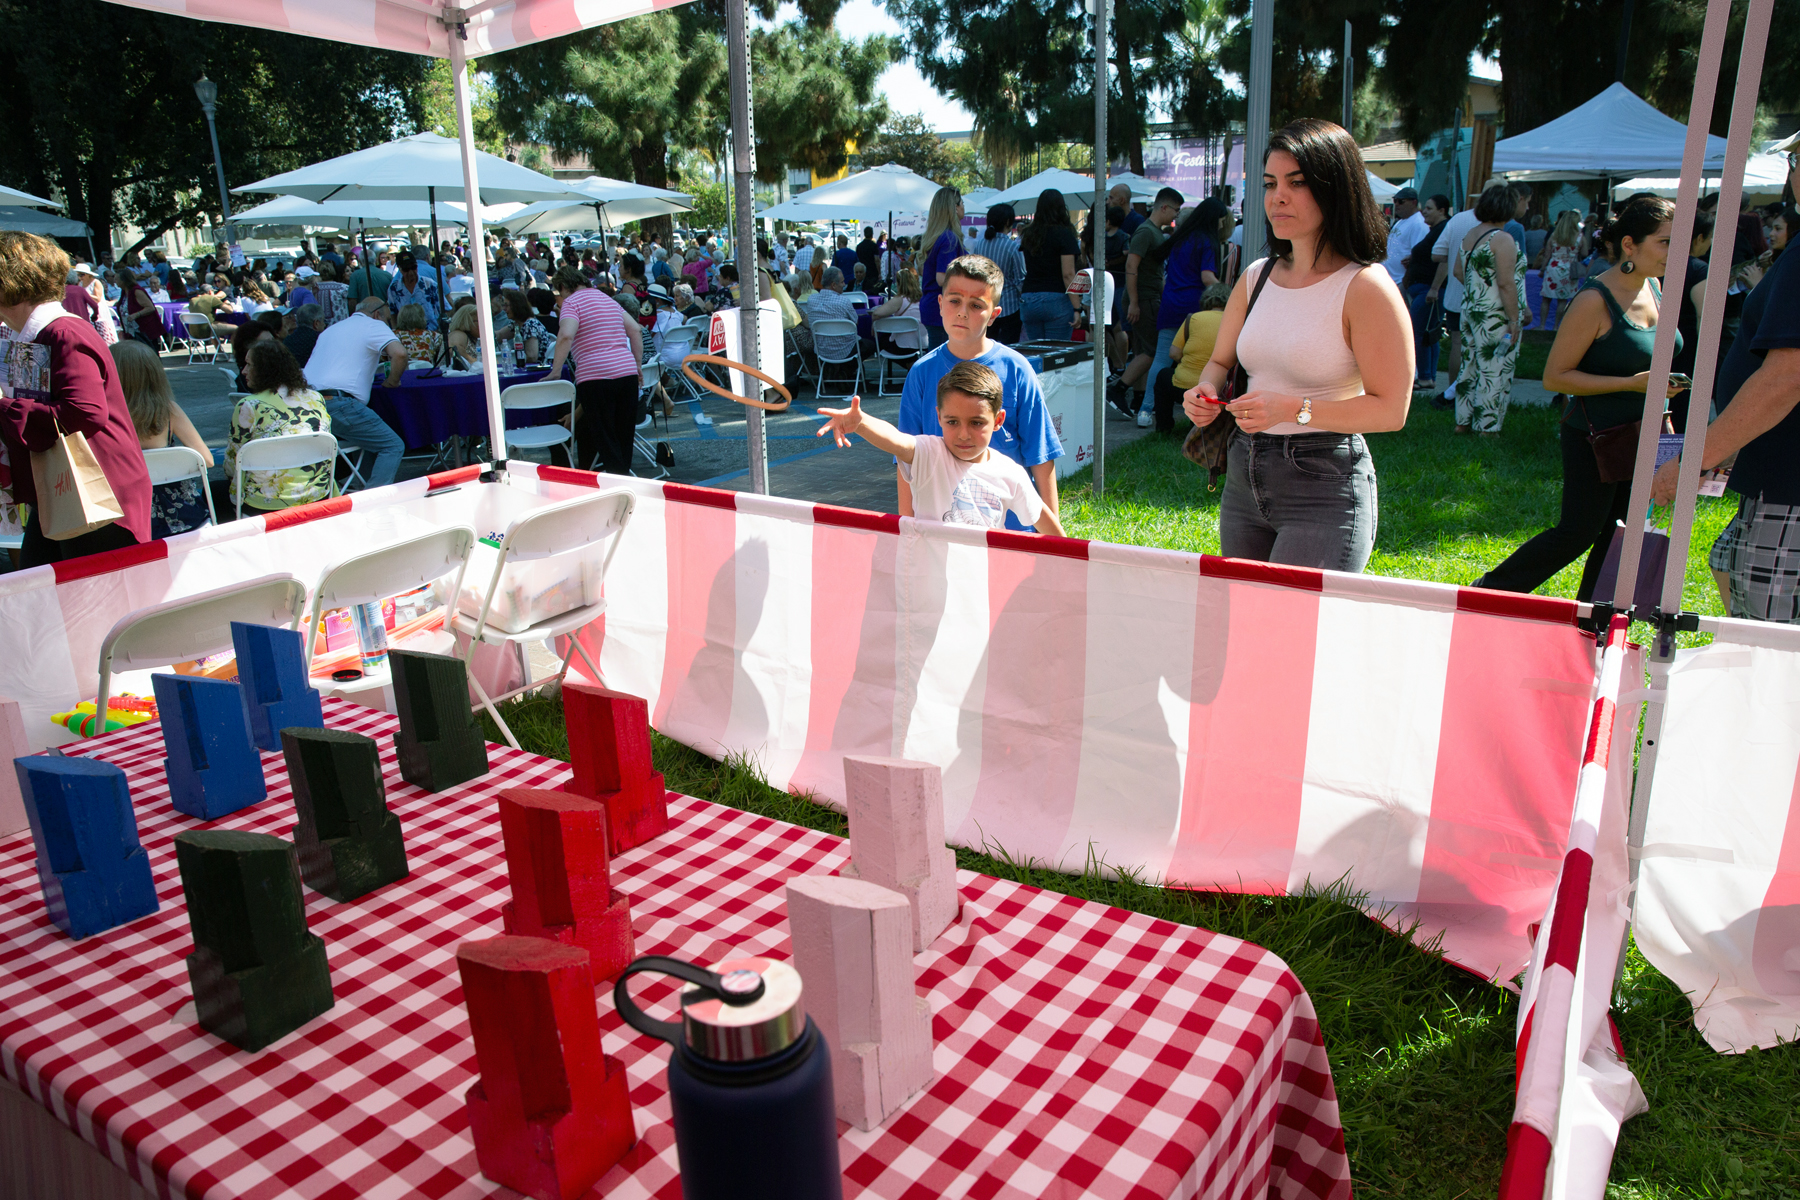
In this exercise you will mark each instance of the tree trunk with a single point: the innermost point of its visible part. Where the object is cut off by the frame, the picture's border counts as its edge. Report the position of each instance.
(1128, 100)
(650, 166)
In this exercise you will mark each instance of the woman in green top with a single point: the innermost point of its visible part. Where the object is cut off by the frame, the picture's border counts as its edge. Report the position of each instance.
(1601, 358)
(281, 403)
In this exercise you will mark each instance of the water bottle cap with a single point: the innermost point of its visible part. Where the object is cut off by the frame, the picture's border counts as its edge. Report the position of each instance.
(726, 1032)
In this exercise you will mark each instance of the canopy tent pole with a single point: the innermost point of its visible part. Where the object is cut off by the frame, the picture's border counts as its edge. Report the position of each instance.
(484, 305)
(743, 167)
(431, 250)
(1256, 126)
(1097, 230)
(362, 228)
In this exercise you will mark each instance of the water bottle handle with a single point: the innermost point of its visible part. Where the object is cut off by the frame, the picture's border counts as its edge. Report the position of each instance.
(670, 1031)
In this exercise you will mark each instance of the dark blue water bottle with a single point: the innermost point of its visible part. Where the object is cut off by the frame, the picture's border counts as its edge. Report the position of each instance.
(749, 1082)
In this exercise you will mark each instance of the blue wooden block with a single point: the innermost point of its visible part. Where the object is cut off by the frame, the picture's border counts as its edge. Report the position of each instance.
(94, 872)
(271, 667)
(213, 766)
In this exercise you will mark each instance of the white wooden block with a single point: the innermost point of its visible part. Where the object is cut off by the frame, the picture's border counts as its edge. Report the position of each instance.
(896, 810)
(852, 945)
(12, 745)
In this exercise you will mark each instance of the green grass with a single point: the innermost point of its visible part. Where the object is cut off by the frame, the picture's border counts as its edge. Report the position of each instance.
(1421, 1051)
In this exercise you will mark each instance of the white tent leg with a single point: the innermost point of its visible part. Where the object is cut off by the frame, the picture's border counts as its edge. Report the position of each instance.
(1097, 311)
(484, 308)
(743, 232)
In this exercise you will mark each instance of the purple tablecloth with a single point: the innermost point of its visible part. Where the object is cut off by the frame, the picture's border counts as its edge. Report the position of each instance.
(171, 316)
(426, 410)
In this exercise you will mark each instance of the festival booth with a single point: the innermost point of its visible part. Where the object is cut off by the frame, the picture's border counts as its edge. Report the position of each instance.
(1616, 134)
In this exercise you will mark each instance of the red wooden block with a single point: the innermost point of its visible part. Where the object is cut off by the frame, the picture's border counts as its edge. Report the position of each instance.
(609, 748)
(550, 1114)
(556, 858)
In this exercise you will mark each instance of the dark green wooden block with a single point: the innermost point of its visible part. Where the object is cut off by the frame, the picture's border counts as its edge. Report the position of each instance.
(348, 842)
(439, 743)
(256, 972)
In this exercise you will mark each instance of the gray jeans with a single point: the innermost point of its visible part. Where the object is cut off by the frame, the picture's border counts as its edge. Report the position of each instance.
(1305, 500)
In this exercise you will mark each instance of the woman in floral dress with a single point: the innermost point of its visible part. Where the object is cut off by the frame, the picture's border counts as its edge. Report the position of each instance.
(1563, 271)
(1492, 270)
(280, 403)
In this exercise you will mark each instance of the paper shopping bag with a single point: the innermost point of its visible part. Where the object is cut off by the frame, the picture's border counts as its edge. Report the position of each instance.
(73, 495)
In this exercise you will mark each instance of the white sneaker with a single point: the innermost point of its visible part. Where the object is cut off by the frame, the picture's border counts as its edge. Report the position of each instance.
(1143, 420)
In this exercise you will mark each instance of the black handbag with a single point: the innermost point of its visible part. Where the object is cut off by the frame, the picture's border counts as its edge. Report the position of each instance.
(1206, 446)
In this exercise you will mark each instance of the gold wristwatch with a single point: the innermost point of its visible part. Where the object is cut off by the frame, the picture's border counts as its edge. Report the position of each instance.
(1305, 417)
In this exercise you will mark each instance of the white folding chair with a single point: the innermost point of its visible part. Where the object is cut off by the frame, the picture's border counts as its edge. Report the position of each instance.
(860, 299)
(183, 630)
(172, 464)
(893, 326)
(683, 338)
(539, 395)
(542, 533)
(651, 372)
(389, 571)
(282, 453)
(201, 330)
(828, 328)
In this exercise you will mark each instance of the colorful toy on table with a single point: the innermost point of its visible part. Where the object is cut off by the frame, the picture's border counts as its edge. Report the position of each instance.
(557, 862)
(272, 671)
(348, 842)
(94, 871)
(550, 1113)
(213, 766)
(438, 742)
(257, 973)
(122, 712)
(609, 750)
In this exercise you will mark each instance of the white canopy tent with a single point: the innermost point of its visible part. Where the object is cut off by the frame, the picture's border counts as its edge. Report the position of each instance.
(605, 202)
(1384, 191)
(1077, 191)
(15, 196)
(1764, 175)
(30, 220)
(354, 214)
(1615, 134)
(887, 188)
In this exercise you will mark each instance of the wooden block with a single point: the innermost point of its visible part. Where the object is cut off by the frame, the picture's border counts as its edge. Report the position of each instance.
(550, 1114)
(852, 945)
(439, 743)
(94, 872)
(256, 972)
(556, 858)
(213, 766)
(896, 810)
(271, 665)
(13, 744)
(609, 750)
(348, 842)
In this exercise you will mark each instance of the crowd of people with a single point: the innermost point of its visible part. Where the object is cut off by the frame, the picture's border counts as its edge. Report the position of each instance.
(1302, 354)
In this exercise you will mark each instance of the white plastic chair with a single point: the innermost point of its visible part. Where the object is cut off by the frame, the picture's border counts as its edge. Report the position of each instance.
(282, 453)
(172, 464)
(389, 571)
(183, 630)
(860, 299)
(200, 329)
(686, 339)
(828, 328)
(542, 533)
(893, 326)
(538, 395)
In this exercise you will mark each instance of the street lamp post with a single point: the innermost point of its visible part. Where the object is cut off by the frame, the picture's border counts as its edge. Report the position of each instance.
(208, 93)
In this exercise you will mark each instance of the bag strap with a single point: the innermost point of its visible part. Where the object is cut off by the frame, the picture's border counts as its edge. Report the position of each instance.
(1268, 270)
(1471, 253)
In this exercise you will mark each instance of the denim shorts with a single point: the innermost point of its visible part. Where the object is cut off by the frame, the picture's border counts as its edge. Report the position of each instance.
(1303, 500)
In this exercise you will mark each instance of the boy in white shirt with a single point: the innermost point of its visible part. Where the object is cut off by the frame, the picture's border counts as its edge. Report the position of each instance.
(955, 478)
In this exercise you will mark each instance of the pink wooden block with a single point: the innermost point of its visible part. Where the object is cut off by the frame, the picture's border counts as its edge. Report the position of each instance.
(897, 838)
(852, 945)
(12, 745)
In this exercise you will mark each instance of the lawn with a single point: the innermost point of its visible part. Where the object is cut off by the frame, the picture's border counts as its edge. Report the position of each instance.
(1422, 1052)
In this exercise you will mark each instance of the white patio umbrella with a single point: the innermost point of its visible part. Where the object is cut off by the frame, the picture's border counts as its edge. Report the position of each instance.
(604, 201)
(887, 188)
(375, 214)
(977, 200)
(1077, 190)
(1143, 190)
(15, 196)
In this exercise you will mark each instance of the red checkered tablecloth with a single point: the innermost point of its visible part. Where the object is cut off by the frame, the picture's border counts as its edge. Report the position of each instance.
(1080, 1050)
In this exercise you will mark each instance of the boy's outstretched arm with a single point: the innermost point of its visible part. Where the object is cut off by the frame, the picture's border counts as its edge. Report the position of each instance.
(877, 432)
(1049, 522)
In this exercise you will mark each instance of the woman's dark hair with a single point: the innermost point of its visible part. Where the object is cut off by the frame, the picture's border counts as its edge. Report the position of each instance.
(518, 305)
(1641, 217)
(569, 279)
(1442, 201)
(542, 299)
(1332, 166)
(1000, 218)
(269, 319)
(247, 333)
(1204, 220)
(1496, 204)
(1052, 209)
(270, 366)
(1705, 221)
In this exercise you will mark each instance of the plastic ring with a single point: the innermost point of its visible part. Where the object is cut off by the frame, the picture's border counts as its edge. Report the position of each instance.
(714, 360)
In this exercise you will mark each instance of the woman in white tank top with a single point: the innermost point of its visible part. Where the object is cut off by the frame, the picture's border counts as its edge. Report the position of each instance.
(1328, 349)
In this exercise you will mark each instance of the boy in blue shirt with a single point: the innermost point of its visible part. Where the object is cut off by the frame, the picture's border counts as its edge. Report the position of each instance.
(969, 303)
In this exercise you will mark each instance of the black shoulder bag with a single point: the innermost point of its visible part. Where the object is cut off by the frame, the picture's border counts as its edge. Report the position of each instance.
(1206, 445)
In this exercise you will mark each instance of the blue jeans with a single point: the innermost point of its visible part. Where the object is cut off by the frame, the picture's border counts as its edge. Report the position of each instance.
(1047, 316)
(1304, 500)
(1428, 331)
(1164, 359)
(353, 424)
